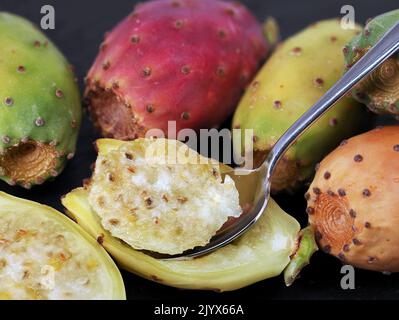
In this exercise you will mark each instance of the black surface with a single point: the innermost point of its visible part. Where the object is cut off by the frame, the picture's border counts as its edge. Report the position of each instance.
(80, 25)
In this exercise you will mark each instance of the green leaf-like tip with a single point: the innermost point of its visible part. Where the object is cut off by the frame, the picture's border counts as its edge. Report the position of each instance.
(271, 32)
(306, 247)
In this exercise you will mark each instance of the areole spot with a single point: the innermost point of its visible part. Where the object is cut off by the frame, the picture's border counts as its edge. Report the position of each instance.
(39, 122)
(346, 248)
(21, 69)
(220, 71)
(106, 65)
(185, 70)
(222, 33)
(150, 108)
(331, 193)
(147, 71)
(135, 39)
(59, 93)
(345, 50)
(342, 192)
(358, 158)
(277, 104)
(6, 139)
(318, 82)
(366, 193)
(310, 210)
(333, 38)
(9, 101)
(327, 175)
(178, 24)
(333, 122)
(185, 116)
(341, 256)
(316, 191)
(317, 167)
(297, 51)
(307, 195)
(356, 242)
(318, 235)
(327, 249)
(367, 225)
(396, 148)
(352, 213)
(343, 142)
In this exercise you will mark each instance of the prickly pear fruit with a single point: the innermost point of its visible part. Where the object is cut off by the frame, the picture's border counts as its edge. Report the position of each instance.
(353, 201)
(253, 257)
(181, 60)
(380, 90)
(40, 110)
(300, 71)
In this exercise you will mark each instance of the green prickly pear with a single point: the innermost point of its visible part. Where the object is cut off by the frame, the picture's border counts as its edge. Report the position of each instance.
(40, 108)
(300, 71)
(380, 90)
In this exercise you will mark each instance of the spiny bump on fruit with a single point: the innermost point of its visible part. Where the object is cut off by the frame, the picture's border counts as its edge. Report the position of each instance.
(39, 99)
(380, 90)
(216, 48)
(360, 225)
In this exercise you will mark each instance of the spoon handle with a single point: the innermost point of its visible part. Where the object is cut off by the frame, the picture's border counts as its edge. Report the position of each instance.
(381, 51)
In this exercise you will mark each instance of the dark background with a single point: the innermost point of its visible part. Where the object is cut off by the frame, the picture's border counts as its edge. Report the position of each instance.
(80, 25)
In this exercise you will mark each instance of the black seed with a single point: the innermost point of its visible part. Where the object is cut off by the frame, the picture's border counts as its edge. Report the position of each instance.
(396, 148)
(310, 210)
(356, 242)
(8, 101)
(316, 190)
(358, 158)
(327, 249)
(185, 116)
(327, 175)
(366, 193)
(352, 213)
(367, 225)
(342, 192)
(345, 248)
(129, 156)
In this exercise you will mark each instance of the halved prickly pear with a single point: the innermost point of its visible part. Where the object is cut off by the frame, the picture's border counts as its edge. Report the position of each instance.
(40, 109)
(263, 252)
(44, 255)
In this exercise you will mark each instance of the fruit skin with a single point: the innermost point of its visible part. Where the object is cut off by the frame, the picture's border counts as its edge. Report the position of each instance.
(252, 258)
(299, 72)
(353, 202)
(40, 109)
(181, 60)
(380, 90)
(19, 206)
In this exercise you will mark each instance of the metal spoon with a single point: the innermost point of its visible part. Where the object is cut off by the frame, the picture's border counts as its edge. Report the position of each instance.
(254, 185)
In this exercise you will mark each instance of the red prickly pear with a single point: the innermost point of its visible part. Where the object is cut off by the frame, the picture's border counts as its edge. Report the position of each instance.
(184, 60)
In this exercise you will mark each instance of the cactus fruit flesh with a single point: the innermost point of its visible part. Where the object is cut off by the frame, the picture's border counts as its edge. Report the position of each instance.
(380, 90)
(353, 203)
(263, 252)
(40, 110)
(45, 255)
(298, 73)
(181, 60)
(160, 195)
